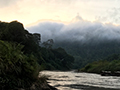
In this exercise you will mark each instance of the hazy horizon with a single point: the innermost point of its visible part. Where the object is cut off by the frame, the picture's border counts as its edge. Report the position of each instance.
(65, 19)
(30, 12)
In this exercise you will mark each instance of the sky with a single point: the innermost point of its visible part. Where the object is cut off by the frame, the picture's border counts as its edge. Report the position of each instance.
(30, 12)
(81, 20)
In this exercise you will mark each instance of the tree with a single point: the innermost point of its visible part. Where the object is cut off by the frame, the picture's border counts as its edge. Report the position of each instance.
(37, 38)
(48, 44)
(14, 31)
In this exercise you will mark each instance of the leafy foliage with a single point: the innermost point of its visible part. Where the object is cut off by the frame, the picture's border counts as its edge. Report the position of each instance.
(88, 52)
(22, 57)
(16, 69)
(57, 59)
(104, 65)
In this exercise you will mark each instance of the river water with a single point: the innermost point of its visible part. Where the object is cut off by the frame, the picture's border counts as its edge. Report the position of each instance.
(81, 81)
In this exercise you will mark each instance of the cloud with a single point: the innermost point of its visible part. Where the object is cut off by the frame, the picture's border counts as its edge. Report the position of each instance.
(111, 15)
(82, 30)
(29, 11)
(4, 3)
(48, 30)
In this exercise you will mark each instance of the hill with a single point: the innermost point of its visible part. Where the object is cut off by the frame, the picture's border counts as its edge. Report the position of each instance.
(90, 51)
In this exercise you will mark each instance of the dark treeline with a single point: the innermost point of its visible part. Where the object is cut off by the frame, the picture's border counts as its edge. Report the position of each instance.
(89, 51)
(22, 57)
(111, 63)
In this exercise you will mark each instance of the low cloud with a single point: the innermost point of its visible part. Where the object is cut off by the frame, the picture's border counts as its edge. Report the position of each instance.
(76, 31)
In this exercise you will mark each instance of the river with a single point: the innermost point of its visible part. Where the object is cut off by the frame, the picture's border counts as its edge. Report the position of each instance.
(81, 81)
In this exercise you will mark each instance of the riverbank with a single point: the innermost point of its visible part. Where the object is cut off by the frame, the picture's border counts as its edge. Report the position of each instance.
(102, 73)
(43, 86)
(40, 86)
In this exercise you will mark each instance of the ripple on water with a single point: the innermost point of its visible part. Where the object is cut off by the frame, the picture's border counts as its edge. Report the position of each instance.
(82, 81)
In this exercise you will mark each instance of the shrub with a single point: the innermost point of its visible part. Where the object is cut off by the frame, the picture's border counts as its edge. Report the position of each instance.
(16, 69)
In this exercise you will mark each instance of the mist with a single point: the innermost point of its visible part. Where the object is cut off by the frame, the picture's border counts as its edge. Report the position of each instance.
(77, 30)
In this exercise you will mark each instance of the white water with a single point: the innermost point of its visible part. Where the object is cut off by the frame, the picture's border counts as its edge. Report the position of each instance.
(82, 81)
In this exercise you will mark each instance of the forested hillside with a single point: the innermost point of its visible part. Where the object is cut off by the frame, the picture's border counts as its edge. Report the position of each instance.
(85, 40)
(111, 63)
(89, 51)
(22, 57)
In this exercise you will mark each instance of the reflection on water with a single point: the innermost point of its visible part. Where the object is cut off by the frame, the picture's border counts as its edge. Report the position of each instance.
(82, 81)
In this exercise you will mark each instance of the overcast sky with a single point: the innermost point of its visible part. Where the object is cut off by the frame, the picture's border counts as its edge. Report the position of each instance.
(34, 11)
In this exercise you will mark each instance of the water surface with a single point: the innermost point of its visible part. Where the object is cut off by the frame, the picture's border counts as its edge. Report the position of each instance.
(82, 81)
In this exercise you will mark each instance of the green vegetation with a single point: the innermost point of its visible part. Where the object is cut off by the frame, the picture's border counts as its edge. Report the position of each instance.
(89, 51)
(111, 63)
(94, 56)
(16, 69)
(57, 59)
(22, 57)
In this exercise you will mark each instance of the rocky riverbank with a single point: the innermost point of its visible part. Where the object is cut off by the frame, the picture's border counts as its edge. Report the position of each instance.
(44, 86)
(39, 86)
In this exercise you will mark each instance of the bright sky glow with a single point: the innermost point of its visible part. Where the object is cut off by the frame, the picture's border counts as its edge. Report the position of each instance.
(31, 11)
